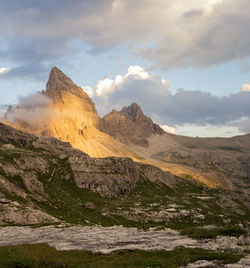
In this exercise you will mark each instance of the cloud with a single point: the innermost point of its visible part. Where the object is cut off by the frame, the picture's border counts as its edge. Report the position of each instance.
(202, 37)
(245, 87)
(167, 33)
(136, 85)
(167, 108)
(106, 86)
(244, 126)
(89, 91)
(208, 130)
(3, 108)
(168, 129)
(33, 110)
(4, 70)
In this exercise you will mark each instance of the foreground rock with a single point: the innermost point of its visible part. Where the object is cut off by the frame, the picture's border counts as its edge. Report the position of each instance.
(108, 239)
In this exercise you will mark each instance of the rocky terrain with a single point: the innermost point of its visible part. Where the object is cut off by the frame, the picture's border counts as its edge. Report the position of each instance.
(216, 162)
(28, 162)
(108, 239)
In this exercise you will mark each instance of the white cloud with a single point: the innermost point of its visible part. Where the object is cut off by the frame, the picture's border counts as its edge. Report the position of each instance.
(245, 87)
(210, 5)
(106, 86)
(4, 70)
(32, 110)
(137, 70)
(89, 90)
(168, 129)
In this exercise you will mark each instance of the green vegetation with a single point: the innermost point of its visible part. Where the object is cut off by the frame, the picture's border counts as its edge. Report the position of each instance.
(41, 255)
(201, 233)
(228, 148)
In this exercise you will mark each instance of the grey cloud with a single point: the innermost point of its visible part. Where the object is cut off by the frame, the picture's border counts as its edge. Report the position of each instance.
(40, 32)
(193, 107)
(202, 108)
(34, 100)
(193, 13)
(205, 40)
(36, 35)
(244, 126)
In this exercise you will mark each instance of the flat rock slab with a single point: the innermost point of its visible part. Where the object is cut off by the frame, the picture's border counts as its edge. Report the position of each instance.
(107, 239)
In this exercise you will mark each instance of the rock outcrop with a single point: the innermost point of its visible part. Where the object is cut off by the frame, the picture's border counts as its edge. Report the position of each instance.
(130, 126)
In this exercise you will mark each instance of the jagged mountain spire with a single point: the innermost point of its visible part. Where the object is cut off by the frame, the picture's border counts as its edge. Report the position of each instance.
(134, 111)
(59, 82)
(130, 125)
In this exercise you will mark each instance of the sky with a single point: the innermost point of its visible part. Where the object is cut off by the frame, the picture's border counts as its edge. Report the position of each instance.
(185, 62)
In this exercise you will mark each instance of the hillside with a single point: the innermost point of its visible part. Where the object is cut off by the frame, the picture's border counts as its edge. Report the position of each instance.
(44, 180)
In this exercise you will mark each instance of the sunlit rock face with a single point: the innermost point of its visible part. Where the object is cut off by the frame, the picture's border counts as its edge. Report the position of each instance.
(70, 99)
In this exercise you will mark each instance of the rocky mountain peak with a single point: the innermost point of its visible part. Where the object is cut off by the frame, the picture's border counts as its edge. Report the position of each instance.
(130, 125)
(58, 82)
(134, 110)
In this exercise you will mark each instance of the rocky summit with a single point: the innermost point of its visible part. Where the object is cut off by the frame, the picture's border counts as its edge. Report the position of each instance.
(130, 126)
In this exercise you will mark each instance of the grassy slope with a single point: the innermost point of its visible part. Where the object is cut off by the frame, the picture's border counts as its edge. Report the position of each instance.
(44, 256)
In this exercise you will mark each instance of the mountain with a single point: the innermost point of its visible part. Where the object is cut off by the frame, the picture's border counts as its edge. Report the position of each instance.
(130, 126)
(71, 117)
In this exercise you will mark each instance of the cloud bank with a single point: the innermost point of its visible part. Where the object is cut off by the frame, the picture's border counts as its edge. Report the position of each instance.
(171, 109)
(166, 33)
